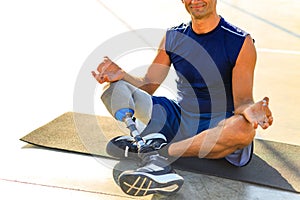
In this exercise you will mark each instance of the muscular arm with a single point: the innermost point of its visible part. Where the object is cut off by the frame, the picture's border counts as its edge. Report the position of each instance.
(242, 77)
(156, 73)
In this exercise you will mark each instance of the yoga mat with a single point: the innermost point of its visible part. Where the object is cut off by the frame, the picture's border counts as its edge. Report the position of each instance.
(273, 164)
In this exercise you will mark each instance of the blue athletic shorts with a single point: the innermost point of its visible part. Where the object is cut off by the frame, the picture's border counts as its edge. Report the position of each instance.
(177, 124)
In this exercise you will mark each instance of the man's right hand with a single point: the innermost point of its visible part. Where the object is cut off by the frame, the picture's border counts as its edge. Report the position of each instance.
(108, 71)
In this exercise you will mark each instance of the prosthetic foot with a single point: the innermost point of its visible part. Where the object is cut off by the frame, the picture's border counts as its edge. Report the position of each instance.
(155, 174)
(125, 146)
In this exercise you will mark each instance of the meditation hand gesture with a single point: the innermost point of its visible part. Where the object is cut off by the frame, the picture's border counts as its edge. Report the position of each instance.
(108, 71)
(259, 114)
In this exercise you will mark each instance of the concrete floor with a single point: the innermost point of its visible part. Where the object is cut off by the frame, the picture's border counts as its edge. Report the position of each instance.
(43, 47)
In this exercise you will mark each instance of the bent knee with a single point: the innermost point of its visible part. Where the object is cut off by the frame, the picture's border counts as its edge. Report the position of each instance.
(118, 95)
(246, 138)
(109, 88)
(117, 90)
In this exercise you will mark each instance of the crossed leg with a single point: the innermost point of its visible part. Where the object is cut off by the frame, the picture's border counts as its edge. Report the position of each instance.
(230, 135)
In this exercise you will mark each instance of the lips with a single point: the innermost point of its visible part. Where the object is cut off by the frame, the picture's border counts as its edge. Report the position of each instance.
(201, 5)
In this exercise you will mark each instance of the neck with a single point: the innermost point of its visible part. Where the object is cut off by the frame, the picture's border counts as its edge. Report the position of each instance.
(205, 25)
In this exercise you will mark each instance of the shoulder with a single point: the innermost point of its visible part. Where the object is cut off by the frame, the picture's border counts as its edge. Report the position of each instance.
(235, 39)
(175, 31)
(179, 28)
(178, 31)
(176, 34)
(232, 30)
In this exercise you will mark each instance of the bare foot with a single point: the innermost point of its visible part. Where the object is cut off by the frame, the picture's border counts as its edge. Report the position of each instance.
(259, 114)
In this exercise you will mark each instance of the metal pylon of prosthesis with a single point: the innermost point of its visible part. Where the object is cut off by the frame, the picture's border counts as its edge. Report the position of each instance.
(133, 130)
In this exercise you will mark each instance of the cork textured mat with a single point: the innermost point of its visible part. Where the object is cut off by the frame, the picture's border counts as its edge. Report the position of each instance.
(274, 164)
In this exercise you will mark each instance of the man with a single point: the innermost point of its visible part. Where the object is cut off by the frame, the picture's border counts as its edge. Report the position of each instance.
(214, 116)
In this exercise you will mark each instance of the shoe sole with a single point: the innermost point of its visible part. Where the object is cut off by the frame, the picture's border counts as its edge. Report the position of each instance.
(142, 184)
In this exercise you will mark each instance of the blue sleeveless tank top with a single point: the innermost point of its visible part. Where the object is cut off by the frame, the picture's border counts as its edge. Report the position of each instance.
(203, 64)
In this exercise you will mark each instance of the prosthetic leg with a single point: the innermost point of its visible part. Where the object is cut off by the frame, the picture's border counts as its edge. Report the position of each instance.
(126, 115)
(156, 174)
(123, 101)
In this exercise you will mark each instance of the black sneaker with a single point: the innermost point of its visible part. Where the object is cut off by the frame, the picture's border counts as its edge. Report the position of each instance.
(155, 176)
(126, 147)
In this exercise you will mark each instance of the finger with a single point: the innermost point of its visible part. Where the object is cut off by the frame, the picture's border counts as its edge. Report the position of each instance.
(265, 125)
(267, 99)
(271, 120)
(269, 117)
(98, 77)
(106, 59)
(94, 74)
(106, 78)
(100, 66)
(255, 125)
(107, 62)
(104, 64)
(101, 81)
